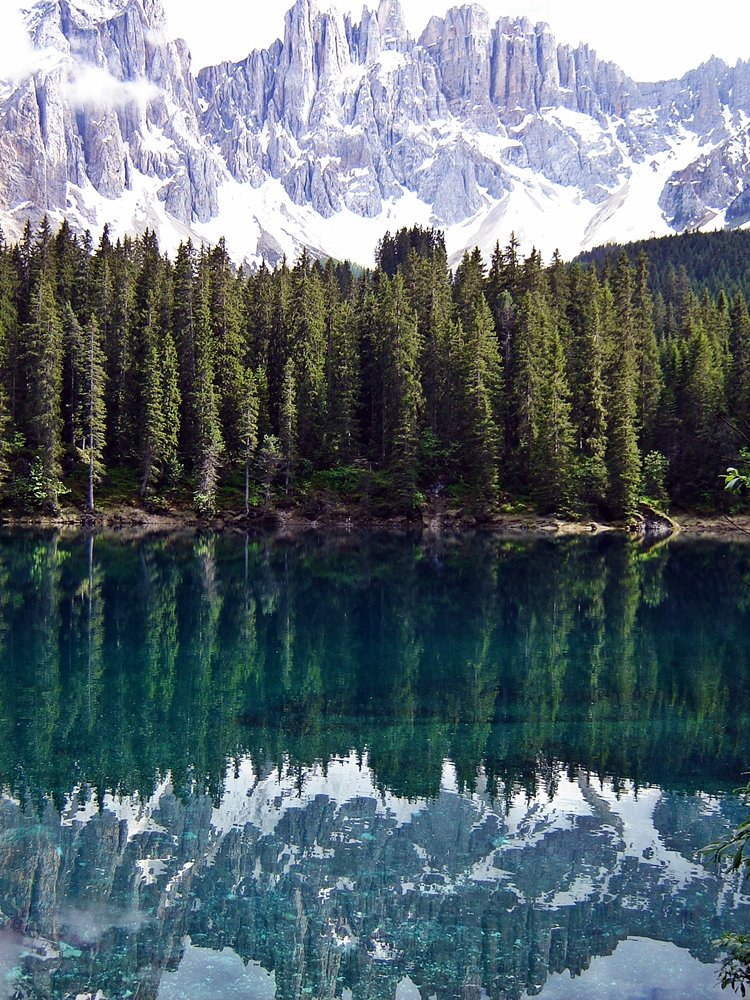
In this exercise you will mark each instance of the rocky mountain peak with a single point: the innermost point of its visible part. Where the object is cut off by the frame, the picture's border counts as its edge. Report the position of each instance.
(478, 127)
(393, 33)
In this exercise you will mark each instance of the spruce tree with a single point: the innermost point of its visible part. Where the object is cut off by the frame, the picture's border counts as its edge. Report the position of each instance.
(402, 392)
(308, 342)
(207, 440)
(91, 412)
(249, 428)
(650, 379)
(8, 366)
(739, 378)
(288, 421)
(229, 347)
(482, 385)
(43, 366)
(586, 360)
(343, 384)
(552, 449)
(88, 413)
(623, 453)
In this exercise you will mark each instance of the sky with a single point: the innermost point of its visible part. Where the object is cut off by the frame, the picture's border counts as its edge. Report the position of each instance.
(649, 39)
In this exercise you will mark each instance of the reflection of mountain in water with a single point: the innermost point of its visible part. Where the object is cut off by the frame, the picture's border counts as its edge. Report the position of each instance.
(325, 882)
(259, 737)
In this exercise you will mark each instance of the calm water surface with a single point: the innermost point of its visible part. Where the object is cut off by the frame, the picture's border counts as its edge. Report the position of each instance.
(368, 769)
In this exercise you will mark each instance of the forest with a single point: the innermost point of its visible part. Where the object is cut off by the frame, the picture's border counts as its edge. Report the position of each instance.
(573, 389)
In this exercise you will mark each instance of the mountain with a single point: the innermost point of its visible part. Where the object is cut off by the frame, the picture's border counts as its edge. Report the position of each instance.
(343, 130)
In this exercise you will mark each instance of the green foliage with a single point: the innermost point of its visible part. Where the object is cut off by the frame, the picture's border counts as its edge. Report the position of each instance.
(513, 380)
(344, 480)
(655, 470)
(735, 967)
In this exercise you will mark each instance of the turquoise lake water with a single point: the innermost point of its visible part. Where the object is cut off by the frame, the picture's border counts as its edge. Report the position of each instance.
(368, 768)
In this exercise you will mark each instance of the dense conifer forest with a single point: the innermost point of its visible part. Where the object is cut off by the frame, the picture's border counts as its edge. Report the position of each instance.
(574, 389)
(712, 262)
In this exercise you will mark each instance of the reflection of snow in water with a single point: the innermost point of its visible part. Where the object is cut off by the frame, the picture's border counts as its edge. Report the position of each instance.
(221, 974)
(406, 990)
(550, 852)
(639, 969)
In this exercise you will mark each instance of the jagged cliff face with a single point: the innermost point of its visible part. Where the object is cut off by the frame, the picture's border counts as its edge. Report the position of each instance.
(342, 130)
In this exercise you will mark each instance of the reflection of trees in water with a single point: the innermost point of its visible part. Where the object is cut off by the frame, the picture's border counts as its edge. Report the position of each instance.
(127, 661)
(527, 664)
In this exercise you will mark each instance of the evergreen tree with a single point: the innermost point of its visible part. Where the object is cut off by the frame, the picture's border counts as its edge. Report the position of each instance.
(402, 393)
(481, 436)
(288, 421)
(650, 380)
(739, 377)
(586, 361)
(89, 415)
(43, 367)
(343, 384)
(551, 458)
(229, 347)
(249, 428)
(207, 440)
(623, 454)
(153, 430)
(8, 367)
(118, 310)
(308, 342)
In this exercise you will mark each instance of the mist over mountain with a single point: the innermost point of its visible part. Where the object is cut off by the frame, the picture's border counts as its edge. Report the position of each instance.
(344, 130)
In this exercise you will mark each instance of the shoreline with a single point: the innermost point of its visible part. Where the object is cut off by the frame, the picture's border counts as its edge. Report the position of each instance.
(292, 521)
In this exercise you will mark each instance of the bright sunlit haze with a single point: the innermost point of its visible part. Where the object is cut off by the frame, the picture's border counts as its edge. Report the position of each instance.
(650, 41)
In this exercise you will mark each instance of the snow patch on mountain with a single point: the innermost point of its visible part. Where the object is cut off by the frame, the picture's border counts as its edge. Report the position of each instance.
(344, 130)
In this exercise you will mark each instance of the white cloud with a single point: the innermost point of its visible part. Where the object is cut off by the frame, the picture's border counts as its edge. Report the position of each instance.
(17, 55)
(93, 86)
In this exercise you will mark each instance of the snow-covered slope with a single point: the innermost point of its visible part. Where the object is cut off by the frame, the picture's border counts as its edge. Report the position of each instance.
(344, 130)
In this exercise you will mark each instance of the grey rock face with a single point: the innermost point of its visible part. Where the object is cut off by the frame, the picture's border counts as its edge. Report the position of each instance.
(351, 116)
(714, 182)
(120, 101)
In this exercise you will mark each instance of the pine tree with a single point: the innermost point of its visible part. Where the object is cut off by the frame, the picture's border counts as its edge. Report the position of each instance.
(288, 421)
(229, 347)
(207, 440)
(650, 379)
(739, 378)
(623, 454)
(307, 340)
(150, 416)
(701, 404)
(183, 331)
(120, 314)
(43, 365)
(587, 386)
(88, 404)
(8, 366)
(481, 436)
(551, 459)
(402, 393)
(343, 384)
(249, 428)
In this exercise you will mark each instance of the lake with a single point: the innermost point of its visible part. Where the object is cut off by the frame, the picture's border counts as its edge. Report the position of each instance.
(368, 768)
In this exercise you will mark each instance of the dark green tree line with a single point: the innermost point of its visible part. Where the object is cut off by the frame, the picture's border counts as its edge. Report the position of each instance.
(570, 387)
